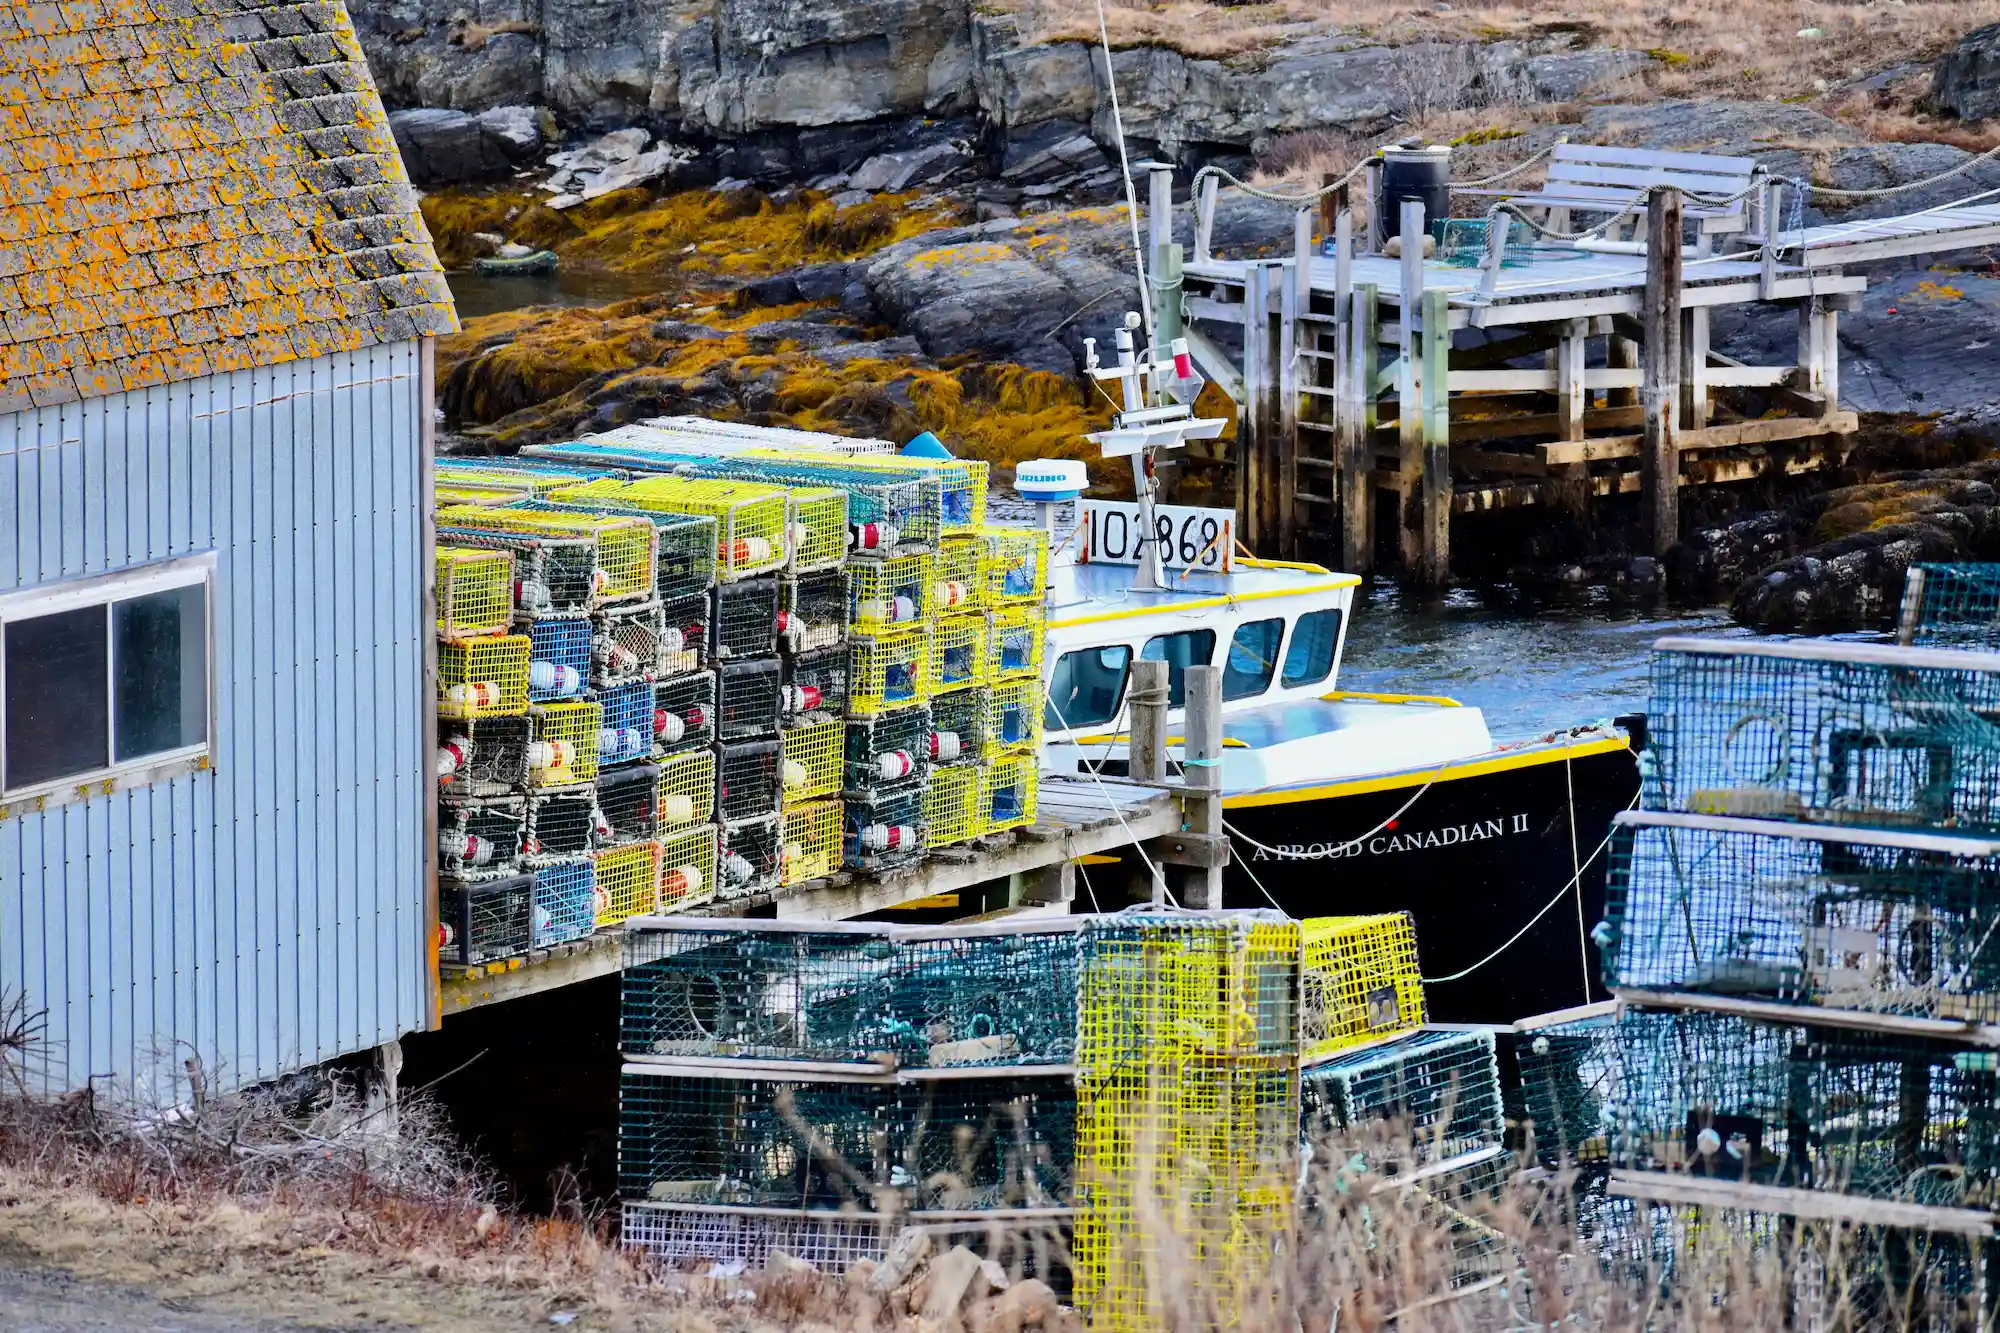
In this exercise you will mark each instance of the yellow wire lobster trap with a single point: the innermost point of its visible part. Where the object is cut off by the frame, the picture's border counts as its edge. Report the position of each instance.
(466, 474)
(813, 759)
(812, 842)
(818, 529)
(475, 592)
(1014, 565)
(623, 548)
(958, 652)
(961, 482)
(1014, 643)
(889, 592)
(1008, 791)
(687, 868)
(686, 792)
(752, 521)
(563, 746)
(444, 495)
(951, 805)
(485, 677)
(1359, 981)
(887, 670)
(960, 578)
(628, 882)
(1187, 1113)
(1014, 718)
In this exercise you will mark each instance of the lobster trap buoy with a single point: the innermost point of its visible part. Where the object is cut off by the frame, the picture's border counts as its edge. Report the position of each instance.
(677, 808)
(679, 882)
(454, 754)
(802, 698)
(737, 868)
(872, 536)
(950, 594)
(894, 764)
(548, 756)
(748, 551)
(466, 848)
(532, 595)
(794, 773)
(554, 678)
(945, 746)
(881, 838)
(475, 694)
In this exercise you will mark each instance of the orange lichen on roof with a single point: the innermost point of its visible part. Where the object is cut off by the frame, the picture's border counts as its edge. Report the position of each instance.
(189, 187)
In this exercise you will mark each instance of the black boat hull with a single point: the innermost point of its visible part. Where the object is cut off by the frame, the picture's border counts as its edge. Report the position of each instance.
(1476, 851)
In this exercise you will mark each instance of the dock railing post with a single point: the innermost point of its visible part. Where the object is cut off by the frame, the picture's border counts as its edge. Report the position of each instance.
(1409, 388)
(1146, 745)
(1202, 768)
(1659, 459)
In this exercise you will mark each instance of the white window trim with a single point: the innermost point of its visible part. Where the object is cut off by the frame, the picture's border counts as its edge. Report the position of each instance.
(102, 590)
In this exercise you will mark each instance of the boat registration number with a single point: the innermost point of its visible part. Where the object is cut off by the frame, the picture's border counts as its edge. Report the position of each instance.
(1189, 538)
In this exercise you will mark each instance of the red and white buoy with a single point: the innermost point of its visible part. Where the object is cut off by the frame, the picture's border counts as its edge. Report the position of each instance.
(466, 848)
(894, 764)
(455, 753)
(880, 838)
(679, 882)
(945, 746)
(472, 694)
(557, 678)
(802, 698)
(872, 536)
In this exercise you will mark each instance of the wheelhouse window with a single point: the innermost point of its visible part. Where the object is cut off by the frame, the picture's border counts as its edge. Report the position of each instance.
(1195, 647)
(1087, 687)
(1253, 659)
(104, 675)
(1314, 638)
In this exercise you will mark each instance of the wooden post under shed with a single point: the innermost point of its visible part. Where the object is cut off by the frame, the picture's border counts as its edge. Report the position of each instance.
(1660, 396)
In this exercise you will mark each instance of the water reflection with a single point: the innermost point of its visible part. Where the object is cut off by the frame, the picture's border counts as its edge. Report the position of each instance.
(478, 294)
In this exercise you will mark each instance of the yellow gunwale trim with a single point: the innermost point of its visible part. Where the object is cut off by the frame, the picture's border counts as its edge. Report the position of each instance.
(1526, 758)
(1209, 603)
(1340, 695)
(1123, 738)
(1252, 562)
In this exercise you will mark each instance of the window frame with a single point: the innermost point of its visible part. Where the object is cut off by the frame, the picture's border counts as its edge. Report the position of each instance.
(1276, 666)
(105, 591)
(1117, 704)
(1333, 650)
(1193, 633)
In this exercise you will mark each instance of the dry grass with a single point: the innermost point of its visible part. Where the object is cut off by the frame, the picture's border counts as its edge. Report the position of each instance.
(1705, 47)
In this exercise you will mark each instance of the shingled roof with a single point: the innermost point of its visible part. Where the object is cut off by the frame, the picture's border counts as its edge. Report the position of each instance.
(189, 187)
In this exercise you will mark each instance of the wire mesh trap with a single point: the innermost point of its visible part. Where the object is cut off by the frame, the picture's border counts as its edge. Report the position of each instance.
(1014, 643)
(748, 777)
(819, 529)
(958, 726)
(564, 747)
(622, 548)
(483, 677)
(685, 637)
(484, 921)
(749, 698)
(888, 670)
(1841, 733)
(1890, 1117)
(540, 476)
(812, 761)
(889, 592)
(1014, 565)
(686, 789)
(481, 837)
(687, 867)
(625, 729)
(628, 882)
(812, 841)
(476, 496)
(629, 643)
(628, 804)
(953, 1145)
(816, 683)
(1445, 1086)
(562, 825)
(558, 657)
(961, 486)
(685, 552)
(932, 997)
(684, 712)
(483, 756)
(888, 507)
(750, 857)
(1359, 981)
(751, 521)
(1572, 1076)
(951, 806)
(1187, 1059)
(745, 620)
(959, 575)
(887, 750)
(818, 441)
(554, 573)
(958, 646)
(1952, 606)
(565, 901)
(1014, 718)
(813, 612)
(475, 592)
(1851, 919)
(885, 825)
(1009, 788)
(832, 1242)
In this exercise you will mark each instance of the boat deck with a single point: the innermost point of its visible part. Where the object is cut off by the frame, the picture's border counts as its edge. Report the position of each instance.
(1073, 818)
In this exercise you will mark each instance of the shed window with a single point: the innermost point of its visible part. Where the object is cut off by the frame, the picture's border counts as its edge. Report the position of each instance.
(104, 675)
(1194, 647)
(1310, 658)
(1253, 659)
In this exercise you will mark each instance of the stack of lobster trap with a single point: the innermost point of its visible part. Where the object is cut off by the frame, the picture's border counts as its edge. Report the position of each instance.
(1803, 929)
(719, 664)
(1055, 1085)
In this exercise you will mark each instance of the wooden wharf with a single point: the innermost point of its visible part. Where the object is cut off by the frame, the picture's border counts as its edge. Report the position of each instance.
(1395, 392)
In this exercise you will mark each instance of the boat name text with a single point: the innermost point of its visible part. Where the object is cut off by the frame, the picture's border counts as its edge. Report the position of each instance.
(1384, 842)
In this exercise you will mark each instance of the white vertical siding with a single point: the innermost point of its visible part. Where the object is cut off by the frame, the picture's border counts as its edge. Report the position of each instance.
(270, 912)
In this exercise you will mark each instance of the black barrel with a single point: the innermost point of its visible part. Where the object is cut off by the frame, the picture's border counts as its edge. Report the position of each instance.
(1421, 173)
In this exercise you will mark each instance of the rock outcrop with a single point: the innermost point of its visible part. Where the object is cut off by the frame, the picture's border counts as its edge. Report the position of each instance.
(1967, 80)
(444, 147)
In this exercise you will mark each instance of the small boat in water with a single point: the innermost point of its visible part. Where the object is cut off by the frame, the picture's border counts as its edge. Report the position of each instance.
(538, 262)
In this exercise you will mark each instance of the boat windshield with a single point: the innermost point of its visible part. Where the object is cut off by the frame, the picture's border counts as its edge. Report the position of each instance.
(1087, 688)
(1314, 638)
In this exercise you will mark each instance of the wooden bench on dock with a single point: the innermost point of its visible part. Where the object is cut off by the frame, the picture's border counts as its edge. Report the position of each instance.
(1595, 180)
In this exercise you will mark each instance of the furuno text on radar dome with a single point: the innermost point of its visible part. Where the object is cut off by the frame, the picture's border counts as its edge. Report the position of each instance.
(1050, 480)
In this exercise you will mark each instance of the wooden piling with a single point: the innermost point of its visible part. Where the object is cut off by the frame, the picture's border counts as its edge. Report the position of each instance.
(1146, 744)
(1409, 391)
(1202, 771)
(1258, 436)
(1659, 458)
(1355, 441)
(1294, 297)
(1435, 394)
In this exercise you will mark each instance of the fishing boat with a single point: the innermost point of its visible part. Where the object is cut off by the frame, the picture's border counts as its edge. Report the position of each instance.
(1336, 802)
(533, 264)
